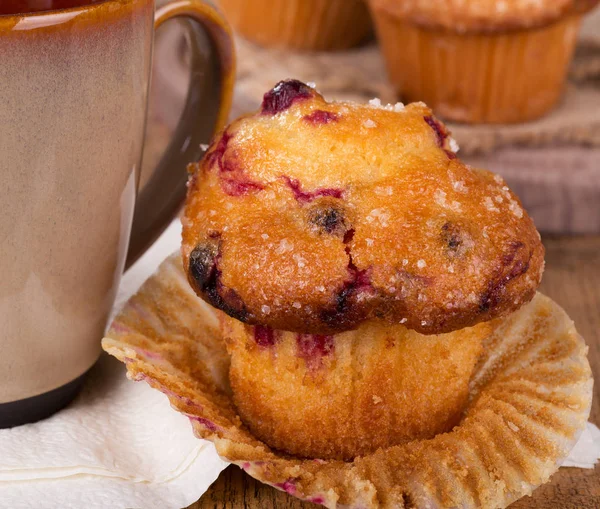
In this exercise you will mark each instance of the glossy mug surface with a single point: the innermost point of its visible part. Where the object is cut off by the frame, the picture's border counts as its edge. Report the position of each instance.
(72, 120)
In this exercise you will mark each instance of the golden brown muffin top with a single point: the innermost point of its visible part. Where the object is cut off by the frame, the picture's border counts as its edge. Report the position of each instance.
(312, 217)
(482, 15)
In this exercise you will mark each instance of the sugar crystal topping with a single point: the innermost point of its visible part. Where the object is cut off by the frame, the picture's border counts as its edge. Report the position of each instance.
(284, 246)
(489, 204)
(376, 103)
(452, 143)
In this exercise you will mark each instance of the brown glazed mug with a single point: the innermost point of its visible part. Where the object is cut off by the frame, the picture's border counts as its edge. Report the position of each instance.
(74, 78)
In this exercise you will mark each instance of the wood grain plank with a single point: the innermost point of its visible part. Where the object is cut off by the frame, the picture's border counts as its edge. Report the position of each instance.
(572, 279)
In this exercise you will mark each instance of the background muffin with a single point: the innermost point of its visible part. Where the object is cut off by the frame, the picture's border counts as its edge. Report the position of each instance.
(349, 394)
(300, 24)
(487, 61)
(314, 217)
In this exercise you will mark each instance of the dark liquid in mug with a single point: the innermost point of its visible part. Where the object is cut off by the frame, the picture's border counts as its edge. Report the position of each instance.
(26, 6)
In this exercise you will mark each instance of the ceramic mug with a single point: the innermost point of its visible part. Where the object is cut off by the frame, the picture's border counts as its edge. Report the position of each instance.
(73, 104)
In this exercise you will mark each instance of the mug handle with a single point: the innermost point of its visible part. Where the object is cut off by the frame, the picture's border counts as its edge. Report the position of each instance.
(207, 107)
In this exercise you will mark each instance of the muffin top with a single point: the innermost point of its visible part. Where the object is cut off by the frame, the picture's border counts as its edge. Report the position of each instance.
(313, 217)
(482, 15)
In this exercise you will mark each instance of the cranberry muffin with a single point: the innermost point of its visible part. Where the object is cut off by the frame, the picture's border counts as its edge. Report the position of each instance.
(484, 61)
(307, 25)
(358, 264)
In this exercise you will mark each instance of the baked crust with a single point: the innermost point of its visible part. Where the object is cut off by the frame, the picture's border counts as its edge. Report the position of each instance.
(314, 217)
(482, 15)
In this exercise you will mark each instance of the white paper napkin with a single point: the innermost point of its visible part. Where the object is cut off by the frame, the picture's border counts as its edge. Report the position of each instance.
(118, 446)
(121, 446)
(586, 452)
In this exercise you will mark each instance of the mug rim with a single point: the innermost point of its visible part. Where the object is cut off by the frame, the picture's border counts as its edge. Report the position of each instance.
(54, 12)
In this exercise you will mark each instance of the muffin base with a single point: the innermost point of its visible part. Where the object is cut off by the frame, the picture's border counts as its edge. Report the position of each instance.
(349, 394)
(300, 24)
(529, 400)
(491, 78)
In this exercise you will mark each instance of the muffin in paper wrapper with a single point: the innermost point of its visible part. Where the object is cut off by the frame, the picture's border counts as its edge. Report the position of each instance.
(310, 25)
(530, 398)
(487, 77)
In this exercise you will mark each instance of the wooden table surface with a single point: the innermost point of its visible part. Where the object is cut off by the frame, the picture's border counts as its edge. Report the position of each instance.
(572, 279)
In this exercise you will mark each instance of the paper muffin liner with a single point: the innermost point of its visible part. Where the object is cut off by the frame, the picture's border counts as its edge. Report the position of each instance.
(300, 24)
(503, 77)
(530, 398)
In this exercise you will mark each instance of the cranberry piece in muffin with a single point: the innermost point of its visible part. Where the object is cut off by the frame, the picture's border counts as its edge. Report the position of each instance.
(284, 94)
(321, 117)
